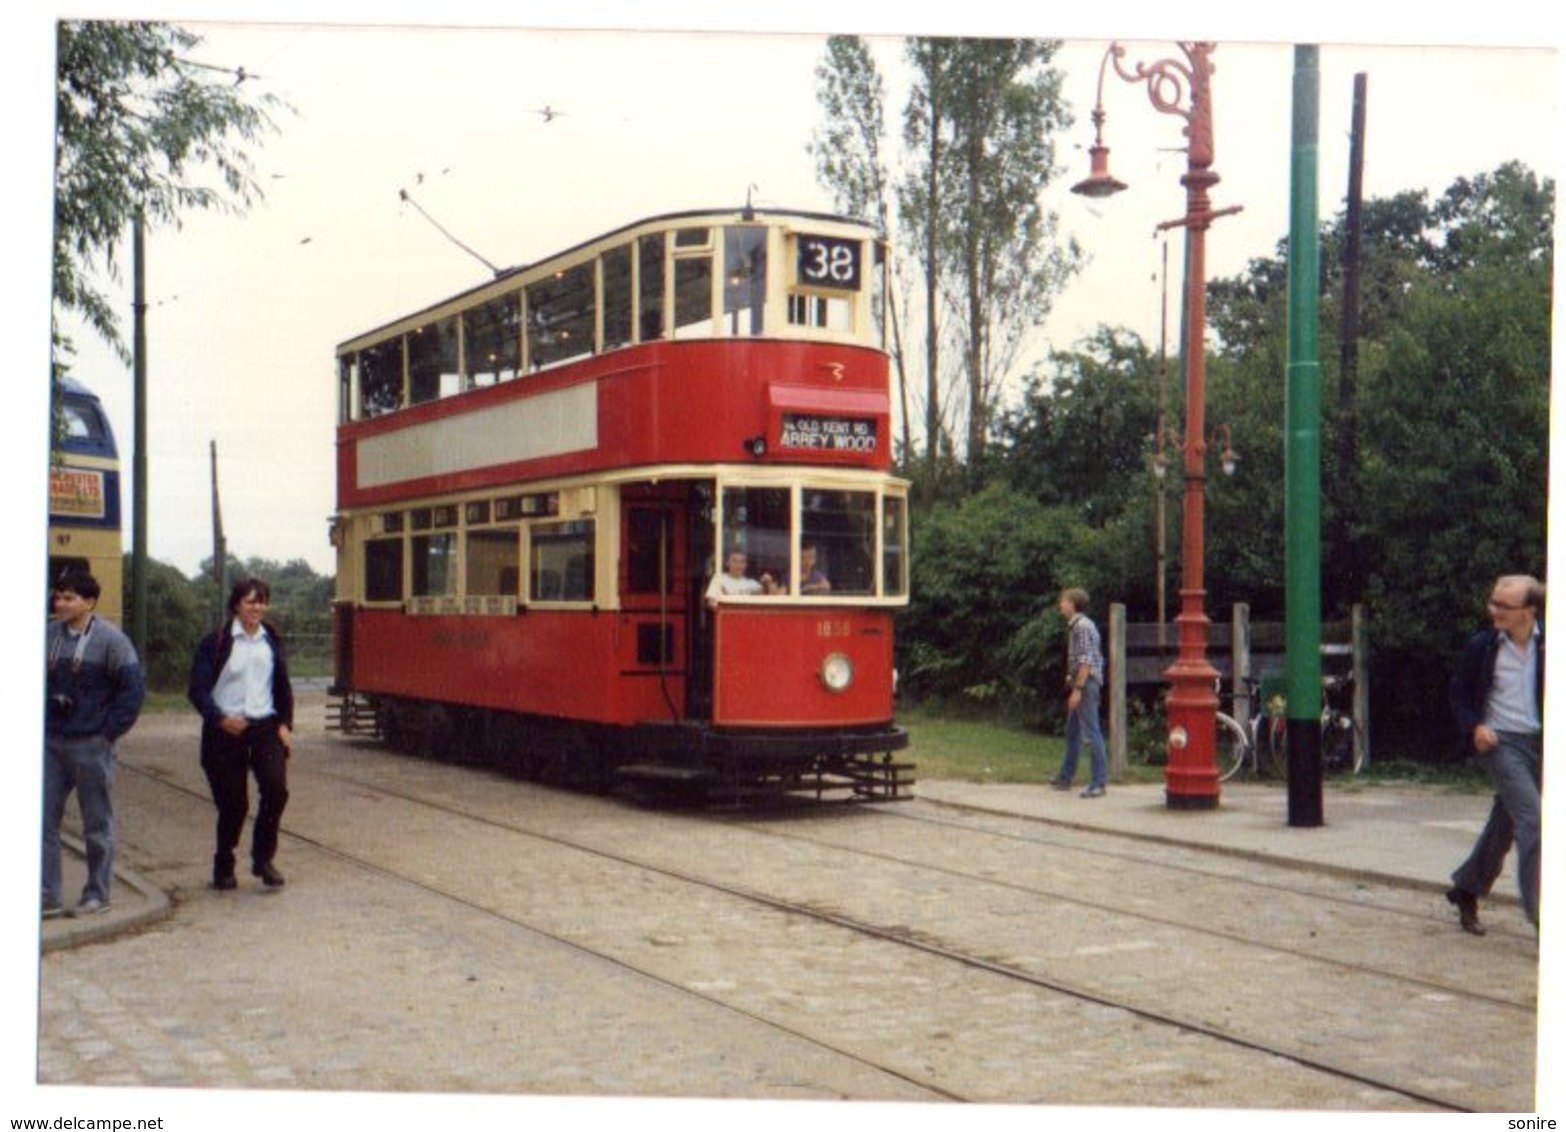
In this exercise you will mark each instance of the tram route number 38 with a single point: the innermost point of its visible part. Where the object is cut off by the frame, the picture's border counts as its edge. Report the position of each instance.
(828, 262)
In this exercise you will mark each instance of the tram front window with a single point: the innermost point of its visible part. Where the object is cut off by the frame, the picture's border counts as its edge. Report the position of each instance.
(840, 526)
(894, 542)
(759, 522)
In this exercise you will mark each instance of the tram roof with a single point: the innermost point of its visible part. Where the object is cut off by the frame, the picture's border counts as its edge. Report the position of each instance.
(745, 213)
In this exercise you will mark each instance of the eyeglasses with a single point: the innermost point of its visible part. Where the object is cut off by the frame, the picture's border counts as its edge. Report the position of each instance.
(1505, 606)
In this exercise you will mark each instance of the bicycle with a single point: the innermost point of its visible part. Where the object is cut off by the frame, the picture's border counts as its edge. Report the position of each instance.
(1342, 745)
(1237, 742)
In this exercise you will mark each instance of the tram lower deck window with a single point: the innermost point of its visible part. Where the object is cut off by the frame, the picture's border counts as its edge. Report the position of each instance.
(493, 557)
(562, 562)
(434, 565)
(383, 569)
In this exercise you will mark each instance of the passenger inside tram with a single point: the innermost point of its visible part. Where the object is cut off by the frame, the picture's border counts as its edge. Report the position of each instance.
(811, 578)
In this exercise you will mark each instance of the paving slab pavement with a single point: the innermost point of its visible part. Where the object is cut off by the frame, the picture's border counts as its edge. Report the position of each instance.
(1405, 835)
(134, 902)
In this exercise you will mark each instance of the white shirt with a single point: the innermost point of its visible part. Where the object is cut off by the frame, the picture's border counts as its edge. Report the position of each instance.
(1513, 705)
(244, 687)
(728, 584)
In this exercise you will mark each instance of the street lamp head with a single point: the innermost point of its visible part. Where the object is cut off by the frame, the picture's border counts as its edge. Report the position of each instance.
(1099, 182)
(1228, 459)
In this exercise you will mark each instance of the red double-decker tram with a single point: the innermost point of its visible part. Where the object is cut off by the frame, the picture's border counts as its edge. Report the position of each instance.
(626, 515)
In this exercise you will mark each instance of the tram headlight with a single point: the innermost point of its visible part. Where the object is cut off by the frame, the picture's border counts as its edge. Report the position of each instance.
(837, 672)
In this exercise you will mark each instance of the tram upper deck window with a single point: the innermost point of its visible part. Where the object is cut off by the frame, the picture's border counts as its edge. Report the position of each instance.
(615, 267)
(744, 280)
(827, 277)
(560, 317)
(820, 312)
(650, 287)
(81, 421)
(562, 562)
(693, 283)
(432, 362)
(347, 387)
(492, 341)
(380, 378)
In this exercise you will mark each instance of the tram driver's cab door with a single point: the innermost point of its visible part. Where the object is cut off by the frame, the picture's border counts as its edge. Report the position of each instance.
(659, 603)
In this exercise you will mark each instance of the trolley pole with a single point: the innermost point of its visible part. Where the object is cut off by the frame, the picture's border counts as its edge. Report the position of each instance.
(219, 543)
(138, 587)
(1302, 459)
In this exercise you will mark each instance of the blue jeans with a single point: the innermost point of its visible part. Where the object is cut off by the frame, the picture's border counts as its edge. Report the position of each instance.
(85, 765)
(1515, 767)
(1080, 724)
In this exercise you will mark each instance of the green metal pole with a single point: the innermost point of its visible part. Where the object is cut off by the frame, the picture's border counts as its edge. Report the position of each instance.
(1302, 457)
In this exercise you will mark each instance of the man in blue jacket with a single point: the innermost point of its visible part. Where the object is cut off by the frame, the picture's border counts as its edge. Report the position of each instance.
(239, 683)
(95, 689)
(1497, 700)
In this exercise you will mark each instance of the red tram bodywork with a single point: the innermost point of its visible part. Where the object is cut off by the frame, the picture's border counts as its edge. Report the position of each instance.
(524, 562)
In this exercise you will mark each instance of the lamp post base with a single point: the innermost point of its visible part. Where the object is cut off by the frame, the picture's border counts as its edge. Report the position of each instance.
(1177, 801)
(1191, 770)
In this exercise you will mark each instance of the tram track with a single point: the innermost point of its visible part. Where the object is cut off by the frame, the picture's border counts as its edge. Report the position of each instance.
(1141, 860)
(367, 864)
(899, 936)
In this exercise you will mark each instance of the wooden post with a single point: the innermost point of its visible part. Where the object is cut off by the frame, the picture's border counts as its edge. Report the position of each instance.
(1117, 689)
(1240, 666)
(1359, 637)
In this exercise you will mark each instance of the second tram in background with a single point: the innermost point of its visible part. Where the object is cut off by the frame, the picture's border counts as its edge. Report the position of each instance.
(84, 496)
(543, 480)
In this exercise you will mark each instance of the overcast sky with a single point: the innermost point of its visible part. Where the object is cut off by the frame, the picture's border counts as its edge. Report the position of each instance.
(246, 312)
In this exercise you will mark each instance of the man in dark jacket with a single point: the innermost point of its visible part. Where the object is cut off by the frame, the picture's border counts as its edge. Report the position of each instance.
(1497, 700)
(95, 690)
(239, 684)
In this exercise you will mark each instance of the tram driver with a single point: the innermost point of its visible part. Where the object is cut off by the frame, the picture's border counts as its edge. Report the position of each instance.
(733, 580)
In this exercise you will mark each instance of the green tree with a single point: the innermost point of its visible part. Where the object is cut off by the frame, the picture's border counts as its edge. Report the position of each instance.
(849, 161)
(1083, 434)
(176, 620)
(1448, 474)
(986, 574)
(920, 196)
(1455, 438)
(983, 116)
(141, 129)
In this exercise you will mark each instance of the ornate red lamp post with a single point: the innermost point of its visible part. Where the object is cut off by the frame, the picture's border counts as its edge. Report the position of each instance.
(1182, 88)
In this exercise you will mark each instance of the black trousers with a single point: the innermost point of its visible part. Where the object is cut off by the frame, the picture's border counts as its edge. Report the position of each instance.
(229, 760)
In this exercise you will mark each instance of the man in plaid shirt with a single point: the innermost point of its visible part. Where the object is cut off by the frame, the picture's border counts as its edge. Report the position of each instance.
(1085, 681)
